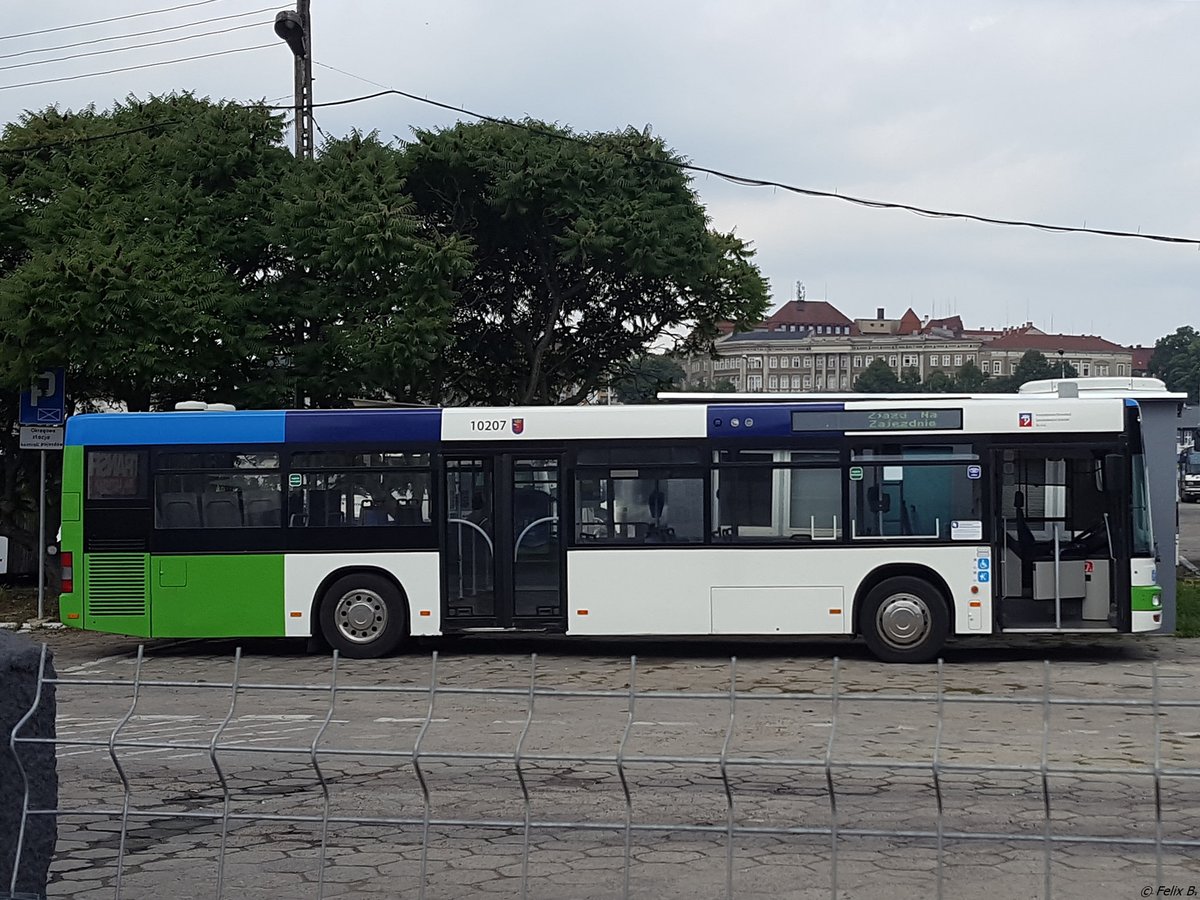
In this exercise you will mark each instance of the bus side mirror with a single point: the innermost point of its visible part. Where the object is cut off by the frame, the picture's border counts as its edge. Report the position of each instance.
(1114, 472)
(878, 500)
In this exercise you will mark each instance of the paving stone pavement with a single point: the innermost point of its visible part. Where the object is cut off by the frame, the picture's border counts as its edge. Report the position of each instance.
(266, 742)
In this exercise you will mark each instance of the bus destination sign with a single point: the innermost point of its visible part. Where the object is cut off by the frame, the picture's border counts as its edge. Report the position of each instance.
(877, 420)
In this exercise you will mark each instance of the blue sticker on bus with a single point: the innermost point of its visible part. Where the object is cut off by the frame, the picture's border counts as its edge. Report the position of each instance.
(983, 576)
(982, 563)
(974, 472)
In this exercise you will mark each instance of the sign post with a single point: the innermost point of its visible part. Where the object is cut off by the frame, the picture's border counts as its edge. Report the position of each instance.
(43, 411)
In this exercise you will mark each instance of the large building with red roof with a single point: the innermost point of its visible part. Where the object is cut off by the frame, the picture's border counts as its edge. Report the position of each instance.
(810, 345)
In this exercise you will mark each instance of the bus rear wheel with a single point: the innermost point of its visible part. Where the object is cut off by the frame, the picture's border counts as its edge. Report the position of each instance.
(362, 616)
(905, 620)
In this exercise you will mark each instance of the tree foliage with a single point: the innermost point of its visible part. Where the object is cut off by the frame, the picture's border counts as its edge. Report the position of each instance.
(1176, 361)
(877, 378)
(1032, 366)
(643, 377)
(585, 251)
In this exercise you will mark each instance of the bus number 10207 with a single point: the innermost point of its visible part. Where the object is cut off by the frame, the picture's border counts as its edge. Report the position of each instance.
(488, 424)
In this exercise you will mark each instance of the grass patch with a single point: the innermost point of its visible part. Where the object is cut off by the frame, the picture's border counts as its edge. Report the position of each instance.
(1187, 608)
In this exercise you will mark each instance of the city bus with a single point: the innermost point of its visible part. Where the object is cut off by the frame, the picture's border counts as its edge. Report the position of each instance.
(1189, 476)
(905, 522)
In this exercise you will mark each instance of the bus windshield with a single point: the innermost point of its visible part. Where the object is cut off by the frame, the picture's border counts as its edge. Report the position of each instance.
(1191, 463)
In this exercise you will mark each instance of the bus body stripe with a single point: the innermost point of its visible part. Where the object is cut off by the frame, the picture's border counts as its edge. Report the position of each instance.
(340, 426)
(132, 429)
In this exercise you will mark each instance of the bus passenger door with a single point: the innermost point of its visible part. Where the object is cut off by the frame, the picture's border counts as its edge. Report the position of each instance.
(502, 563)
(1060, 540)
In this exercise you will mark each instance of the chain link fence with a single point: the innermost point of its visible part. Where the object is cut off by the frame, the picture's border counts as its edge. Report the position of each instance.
(450, 788)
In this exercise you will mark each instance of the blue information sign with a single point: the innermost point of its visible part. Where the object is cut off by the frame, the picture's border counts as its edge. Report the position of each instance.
(45, 401)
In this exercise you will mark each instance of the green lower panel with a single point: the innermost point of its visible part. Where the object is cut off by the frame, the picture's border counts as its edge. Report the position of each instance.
(217, 596)
(1147, 598)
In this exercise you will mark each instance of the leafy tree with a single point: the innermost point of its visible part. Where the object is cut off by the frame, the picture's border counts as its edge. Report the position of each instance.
(362, 301)
(1176, 361)
(971, 379)
(940, 382)
(910, 380)
(1032, 366)
(585, 251)
(715, 386)
(645, 376)
(877, 378)
(131, 258)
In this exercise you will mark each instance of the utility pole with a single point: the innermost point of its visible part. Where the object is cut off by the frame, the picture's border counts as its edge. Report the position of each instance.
(295, 27)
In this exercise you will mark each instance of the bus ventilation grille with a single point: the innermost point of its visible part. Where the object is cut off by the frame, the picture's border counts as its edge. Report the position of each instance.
(116, 584)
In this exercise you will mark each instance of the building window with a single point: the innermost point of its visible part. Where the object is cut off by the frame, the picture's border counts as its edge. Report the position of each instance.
(820, 382)
(795, 362)
(808, 361)
(987, 366)
(1101, 370)
(957, 360)
(970, 357)
(845, 382)
(910, 360)
(1085, 370)
(773, 383)
(845, 360)
(754, 383)
(756, 363)
(892, 361)
(807, 382)
(868, 360)
(858, 362)
(945, 359)
(774, 362)
(1120, 368)
(783, 363)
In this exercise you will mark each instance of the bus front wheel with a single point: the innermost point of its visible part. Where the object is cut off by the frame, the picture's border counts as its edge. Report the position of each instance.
(363, 616)
(904, 619)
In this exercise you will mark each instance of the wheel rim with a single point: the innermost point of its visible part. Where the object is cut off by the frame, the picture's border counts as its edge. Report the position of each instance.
(903, 620)
(360, 616)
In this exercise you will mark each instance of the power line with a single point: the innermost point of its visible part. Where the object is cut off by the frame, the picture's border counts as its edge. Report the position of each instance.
(763, 182)
(92, 139)
(132, 34)
(186, 37)
(165, 62)
(150, 12)
(734, 179)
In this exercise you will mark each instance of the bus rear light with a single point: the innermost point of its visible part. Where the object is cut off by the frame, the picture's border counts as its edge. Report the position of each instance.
(68, 572)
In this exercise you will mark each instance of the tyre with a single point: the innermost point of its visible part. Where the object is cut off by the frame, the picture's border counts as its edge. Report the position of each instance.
(363, 616)
(905, 619)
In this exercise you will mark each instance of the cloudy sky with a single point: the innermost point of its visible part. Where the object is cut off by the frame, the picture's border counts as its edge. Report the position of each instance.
(1068, 113)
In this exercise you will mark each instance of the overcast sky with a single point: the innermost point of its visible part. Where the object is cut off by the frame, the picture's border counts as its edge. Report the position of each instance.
(1069, 113)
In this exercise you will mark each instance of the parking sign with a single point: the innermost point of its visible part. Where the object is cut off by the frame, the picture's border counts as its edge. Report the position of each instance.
(45, 401)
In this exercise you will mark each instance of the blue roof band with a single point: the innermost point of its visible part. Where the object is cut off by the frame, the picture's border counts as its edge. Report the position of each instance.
(363, 426)
(758, 419)
(134, 429)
